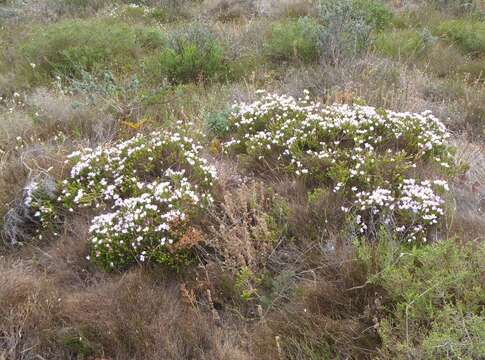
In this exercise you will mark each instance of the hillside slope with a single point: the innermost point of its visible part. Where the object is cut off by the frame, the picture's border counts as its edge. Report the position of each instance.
(241, 179)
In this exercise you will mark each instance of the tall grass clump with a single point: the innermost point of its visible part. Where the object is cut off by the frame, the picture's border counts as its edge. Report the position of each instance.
(369, 157)
(65, 49)
(403, 44)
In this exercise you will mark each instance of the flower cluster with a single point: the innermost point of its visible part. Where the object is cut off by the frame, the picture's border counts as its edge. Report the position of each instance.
(362, 152)
(411, 209)
(147, 189)
(129, 10)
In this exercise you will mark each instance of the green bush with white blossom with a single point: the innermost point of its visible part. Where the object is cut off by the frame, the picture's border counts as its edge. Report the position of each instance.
(145, 192)
(372, 158)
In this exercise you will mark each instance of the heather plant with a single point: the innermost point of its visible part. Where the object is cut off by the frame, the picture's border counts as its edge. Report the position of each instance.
(147, 190)
(369, 156)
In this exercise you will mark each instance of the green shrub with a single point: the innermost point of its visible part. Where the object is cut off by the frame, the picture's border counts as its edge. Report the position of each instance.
(401, 43)
(468, 35)
(67, 48)
(294, 40)
(375, 13)
(193, 54)
(435, 298)
(217, 123)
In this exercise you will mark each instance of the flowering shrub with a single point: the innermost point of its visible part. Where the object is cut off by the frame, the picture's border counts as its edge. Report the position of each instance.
(370, 156)
(411, 209)
(147, 189)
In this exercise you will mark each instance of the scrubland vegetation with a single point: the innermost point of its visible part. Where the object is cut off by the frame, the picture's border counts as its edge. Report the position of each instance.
(242, 179)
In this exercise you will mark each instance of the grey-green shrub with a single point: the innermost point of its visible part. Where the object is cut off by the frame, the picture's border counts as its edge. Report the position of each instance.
(345, 33)
(348, 25)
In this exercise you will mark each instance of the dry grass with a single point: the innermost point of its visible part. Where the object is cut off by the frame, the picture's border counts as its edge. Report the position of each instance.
(18, 168)
(469, 191)
(330, 311)
(54, 305)
(72, 116)
(228, 10)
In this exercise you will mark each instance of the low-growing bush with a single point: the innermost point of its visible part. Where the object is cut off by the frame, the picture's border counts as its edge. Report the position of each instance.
(69, 47)
(192, 54)
(434, 303)
(468, 35)
(153, 187)
(369, 156)
(217, 123)
(402, 44)
(294, 40)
